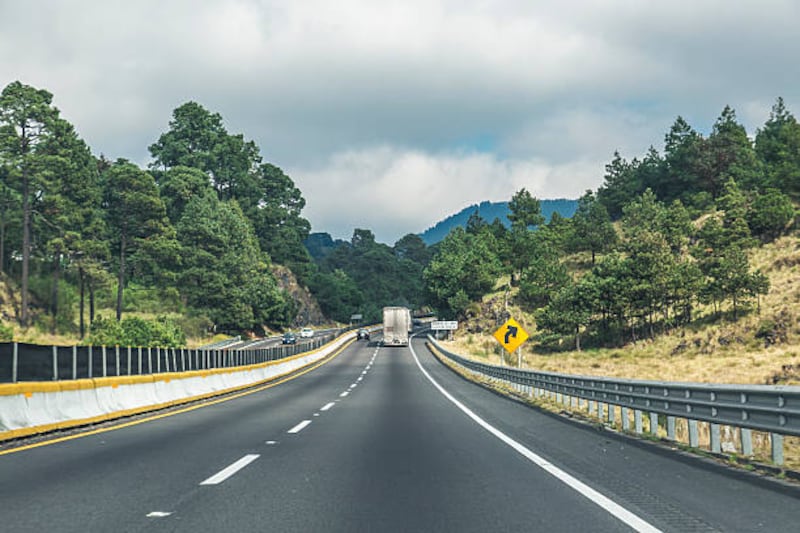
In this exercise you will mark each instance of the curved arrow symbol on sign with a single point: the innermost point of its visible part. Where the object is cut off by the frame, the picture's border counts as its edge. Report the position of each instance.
(511, 332)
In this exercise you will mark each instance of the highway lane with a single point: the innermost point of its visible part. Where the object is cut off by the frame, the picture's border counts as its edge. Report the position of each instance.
(376, 447)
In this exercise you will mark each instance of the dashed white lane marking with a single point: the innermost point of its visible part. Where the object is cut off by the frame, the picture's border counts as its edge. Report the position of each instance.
(316, 414)
(228, 471)
(606, 503)
(271, 443)
(300, 427)
(342, 395)
(327, 406)
(359, 379)
(158, 514)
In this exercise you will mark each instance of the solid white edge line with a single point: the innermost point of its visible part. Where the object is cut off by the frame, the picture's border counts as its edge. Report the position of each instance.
(228, 471)
(604, 502)
(327, 406)
(300, 427)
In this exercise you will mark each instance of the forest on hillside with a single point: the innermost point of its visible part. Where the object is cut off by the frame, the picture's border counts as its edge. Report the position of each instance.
(197, 233)
(663, 236)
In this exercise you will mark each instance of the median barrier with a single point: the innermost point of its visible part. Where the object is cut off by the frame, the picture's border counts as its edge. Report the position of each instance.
(28, 408)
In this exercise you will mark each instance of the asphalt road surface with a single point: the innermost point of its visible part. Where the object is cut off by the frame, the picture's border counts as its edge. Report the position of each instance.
(377, 439)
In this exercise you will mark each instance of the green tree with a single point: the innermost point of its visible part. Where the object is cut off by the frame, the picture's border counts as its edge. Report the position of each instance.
(224, 273)
(571, 310)
(338, 295)
(592, 229)
(525, 211)
(542, 278)
(777, 146)
(73, 227)
(179, 185)
(135, 213)
(413, 248)
(620, 185)
(683, 159)
(26, 120)
(729, 155)
(770, 214)
(463, 270)
(277, 220)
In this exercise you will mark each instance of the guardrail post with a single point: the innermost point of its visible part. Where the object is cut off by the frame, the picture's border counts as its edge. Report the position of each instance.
(626, 420)
(183, 360)
(129, 360)
(600, 408)
(139, 348)
(654, 423)
(694, 436)
(611, 413)
(149, 360)
(116, 352)
(747, 442)
(105, 361)
(14, 362)
(74, 362)
(158, 359)
(777, 448)
(671, 428)
(55, 363)
(638, 424)
(91, 360)
(174, 361)
(716, 441)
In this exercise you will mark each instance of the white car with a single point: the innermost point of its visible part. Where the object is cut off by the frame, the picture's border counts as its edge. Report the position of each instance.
(306, 333)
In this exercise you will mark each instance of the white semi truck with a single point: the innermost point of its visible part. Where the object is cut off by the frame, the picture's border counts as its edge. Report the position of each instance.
(396, 326)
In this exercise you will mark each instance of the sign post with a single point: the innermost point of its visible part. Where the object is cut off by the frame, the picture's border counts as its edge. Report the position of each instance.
(444, 325)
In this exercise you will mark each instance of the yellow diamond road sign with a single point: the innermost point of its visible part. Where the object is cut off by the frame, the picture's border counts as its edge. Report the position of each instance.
(511, 335)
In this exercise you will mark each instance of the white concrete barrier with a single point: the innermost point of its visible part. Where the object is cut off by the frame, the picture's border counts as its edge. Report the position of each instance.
(28, 408)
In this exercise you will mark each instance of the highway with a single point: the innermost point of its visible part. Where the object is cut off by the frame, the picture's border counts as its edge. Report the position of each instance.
(377, 439)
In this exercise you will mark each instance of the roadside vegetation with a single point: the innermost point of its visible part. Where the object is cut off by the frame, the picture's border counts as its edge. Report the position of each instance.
(681, 266)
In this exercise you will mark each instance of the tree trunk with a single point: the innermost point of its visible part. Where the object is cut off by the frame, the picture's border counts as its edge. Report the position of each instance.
(82, 283)
(26, 245)
(578, 338)
(3, 239)
(121, 278)
(54, 296)
(91, 303)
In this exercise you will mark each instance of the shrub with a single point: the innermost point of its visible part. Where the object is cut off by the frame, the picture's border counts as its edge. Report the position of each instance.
(161, 332)
(6, 333)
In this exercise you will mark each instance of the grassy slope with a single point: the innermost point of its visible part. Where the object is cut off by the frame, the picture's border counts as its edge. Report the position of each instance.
(722, 352)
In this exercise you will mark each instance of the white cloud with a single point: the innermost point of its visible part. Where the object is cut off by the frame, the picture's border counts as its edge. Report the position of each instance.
(396, 191)
(468, 99)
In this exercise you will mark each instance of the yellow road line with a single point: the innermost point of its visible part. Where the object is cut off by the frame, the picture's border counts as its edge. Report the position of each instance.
(179, 411)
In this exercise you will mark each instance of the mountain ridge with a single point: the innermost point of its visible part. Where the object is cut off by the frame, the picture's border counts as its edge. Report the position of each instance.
(491, 210)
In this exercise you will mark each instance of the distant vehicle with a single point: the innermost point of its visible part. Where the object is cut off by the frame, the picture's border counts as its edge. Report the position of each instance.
(362, 334)
(289, 338)
(396, 326)
(306, 333)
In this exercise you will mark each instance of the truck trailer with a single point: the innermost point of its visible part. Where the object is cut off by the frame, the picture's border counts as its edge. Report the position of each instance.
(396, 326)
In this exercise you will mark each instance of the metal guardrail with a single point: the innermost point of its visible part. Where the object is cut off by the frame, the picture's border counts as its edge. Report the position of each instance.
(222, 343)
(773, 409)
(30, 362)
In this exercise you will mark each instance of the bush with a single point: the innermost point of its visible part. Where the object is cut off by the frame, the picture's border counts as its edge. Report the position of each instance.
(161, 332)
(6, 333)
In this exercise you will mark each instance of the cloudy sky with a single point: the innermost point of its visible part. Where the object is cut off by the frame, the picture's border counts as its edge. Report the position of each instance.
(392, 115)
